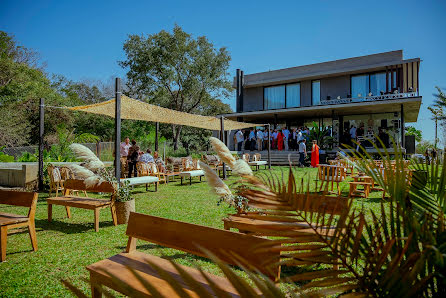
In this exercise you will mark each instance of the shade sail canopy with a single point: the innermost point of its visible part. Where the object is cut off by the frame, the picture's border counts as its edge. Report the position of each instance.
(133, 109)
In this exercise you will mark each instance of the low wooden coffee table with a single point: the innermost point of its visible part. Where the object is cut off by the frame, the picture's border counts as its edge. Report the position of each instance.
(365, 181)
(171, 174)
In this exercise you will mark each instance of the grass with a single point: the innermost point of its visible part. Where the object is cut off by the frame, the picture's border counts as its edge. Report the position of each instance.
(66, 246)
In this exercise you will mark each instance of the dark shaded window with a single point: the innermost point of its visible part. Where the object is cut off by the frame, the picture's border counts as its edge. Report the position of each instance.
(274, 97)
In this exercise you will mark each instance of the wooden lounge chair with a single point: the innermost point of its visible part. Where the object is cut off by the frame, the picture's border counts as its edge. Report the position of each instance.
(330, 175)
(84, 203)
(10, 221)
(182, 236)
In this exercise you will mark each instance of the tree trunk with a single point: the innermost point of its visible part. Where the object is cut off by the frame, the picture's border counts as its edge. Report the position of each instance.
(176, 135)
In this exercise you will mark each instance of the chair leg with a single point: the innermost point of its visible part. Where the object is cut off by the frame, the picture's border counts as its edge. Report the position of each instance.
(113, 214)
(95, 288)
(50, 212)
(68, 211)
(32, 235)
(3, 236)
(96, 219)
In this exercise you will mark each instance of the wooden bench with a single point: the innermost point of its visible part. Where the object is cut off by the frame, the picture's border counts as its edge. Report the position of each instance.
(84, 202)
(280, 220)
(186, 237)
(11, 221)
(190, 174)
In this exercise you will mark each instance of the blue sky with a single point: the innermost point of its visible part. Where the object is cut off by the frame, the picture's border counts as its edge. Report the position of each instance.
(83, 39)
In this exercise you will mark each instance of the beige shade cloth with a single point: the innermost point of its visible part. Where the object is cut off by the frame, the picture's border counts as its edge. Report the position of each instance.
(137, 110)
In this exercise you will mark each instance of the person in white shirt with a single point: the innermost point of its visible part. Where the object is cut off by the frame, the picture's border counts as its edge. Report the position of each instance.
(300, 136)
(353, 132)
(302, 152)
(239, 138)
(124, 149)
(286, 135)
(259, 139)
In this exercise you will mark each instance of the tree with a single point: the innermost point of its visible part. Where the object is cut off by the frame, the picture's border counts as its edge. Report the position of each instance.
(176, 71)
(437, 114)
(412, 131)
(440, 101)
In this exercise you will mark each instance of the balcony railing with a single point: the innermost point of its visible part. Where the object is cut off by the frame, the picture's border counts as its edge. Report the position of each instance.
(336, 101)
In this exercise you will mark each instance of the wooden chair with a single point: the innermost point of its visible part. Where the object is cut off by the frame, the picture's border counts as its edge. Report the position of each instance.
(124, 167)
(66, 173)
(182, 236)
(143, 169)
(154, 171)
(246, 157)
(10, 221)
(56, 181)
(187, 164)
(84, 203)
(329, 175)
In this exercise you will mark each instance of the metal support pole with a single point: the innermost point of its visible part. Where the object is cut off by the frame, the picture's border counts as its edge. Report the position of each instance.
(164, 152)
(269, 146)
(118, 128)
(157, 127)
(222, 138)
(41, 134)
(403, 128)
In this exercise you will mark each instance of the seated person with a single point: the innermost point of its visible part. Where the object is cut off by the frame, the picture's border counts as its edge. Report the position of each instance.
(147, 157)
(159, 162)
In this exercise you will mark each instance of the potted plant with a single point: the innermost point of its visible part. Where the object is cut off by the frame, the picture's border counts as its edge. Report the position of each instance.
(124, 203)
(94, 172)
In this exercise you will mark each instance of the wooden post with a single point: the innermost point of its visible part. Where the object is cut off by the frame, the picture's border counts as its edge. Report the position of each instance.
(222, 137)
(164, 152)
(41, 134)
(403, 128)
(157, 127)
(118, 128)
(269, 146)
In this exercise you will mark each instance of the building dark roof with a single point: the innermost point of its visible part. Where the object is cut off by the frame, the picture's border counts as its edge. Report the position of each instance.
(325, 69)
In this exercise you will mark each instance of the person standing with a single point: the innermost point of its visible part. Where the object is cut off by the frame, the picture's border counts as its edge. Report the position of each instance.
(280, 140)
(132, 159)
(274, 139)
(246, 139)
(124, 148)
(239, 138)
(314, 155)
(302, 152)
(265, 139)
(286, 136)
(259, 139)
(353, 133)
(293, 141)
(252, 140)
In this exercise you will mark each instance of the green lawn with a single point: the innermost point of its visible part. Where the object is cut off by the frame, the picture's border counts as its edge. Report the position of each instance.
(66, 246)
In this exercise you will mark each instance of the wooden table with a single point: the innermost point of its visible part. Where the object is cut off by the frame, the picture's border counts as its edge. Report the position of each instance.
(365, 181)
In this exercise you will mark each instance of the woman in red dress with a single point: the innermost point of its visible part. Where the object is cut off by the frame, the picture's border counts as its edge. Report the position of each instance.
(280, 140)
(314, 155)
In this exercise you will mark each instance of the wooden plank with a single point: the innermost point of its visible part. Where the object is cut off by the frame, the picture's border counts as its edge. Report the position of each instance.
(75, 184)
(79, 202)
(189, 238)
(8, 219)
(119, 265)
(16, 198)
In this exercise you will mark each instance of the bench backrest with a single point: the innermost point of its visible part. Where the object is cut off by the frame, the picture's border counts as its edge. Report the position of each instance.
(191, 238)
(331, 173)
(76, 184)
(20, 198)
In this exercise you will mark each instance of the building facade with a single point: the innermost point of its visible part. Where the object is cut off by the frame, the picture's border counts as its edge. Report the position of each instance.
(372, 93)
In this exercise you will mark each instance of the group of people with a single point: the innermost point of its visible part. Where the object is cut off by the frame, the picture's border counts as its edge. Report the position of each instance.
(131, 154)
(281, 139)
(351, 136)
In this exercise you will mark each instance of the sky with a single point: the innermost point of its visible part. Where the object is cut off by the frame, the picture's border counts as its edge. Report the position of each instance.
(83, 39)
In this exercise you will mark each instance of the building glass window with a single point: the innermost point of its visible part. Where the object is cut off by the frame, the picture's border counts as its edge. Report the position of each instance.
(293, 95)
(274, 97)
(390, 80)
(316, 92)
(360, 85)
(378, 83)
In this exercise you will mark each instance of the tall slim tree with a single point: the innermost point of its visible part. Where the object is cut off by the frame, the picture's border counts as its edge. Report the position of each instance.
(176, 71)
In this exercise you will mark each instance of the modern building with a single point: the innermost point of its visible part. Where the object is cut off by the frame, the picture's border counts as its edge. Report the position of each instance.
(379, 91)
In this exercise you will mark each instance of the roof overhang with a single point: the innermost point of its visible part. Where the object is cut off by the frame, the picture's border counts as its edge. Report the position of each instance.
(290, 75)
(411, 107)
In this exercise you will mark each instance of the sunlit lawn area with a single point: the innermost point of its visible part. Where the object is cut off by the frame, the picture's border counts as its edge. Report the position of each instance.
(66, 246)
